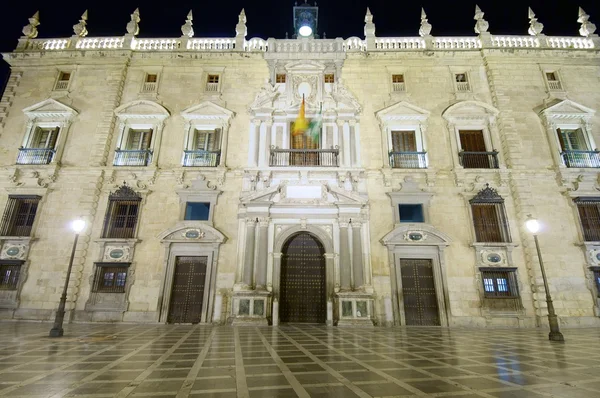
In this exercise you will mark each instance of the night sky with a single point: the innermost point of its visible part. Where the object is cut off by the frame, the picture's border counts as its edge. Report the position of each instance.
(273, 18)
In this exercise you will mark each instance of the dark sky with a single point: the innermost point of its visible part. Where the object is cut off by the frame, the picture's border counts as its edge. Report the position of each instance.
(273, 18)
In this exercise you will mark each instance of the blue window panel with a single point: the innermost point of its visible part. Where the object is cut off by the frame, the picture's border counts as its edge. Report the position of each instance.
(502, 285)
(488, 284)
(197, 211)
(411, 213)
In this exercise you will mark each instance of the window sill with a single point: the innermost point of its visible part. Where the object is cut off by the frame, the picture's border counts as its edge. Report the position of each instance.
(494, 244)
(130, 241)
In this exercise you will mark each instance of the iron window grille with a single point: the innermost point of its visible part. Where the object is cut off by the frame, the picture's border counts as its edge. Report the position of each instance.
(489, 216)
(111, 277)
(596, 272)
(10, 270)
(589, 217)
(19, 215)
(122, 214)
(499, 283)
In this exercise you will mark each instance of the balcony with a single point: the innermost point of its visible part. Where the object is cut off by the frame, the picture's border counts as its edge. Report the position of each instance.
(304, 157)
(583, 159)
(35, 155)
(212, 87)
(408, 160)
(463, 86)
(201, 158)
(132, 157)
(478, 160)
(398, 87)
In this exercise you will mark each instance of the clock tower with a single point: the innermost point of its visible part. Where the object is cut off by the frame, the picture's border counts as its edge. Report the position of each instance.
(305, 20)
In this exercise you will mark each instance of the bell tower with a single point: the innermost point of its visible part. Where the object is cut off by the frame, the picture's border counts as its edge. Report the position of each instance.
(306, 17)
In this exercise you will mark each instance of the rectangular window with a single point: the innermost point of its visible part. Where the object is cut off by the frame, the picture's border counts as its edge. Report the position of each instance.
(499, 283)
(473, 152)
(490, 223)
(398, 82)
(411, 213)
(151, 78)
(404, 141)
(63, 81)
(329, 78)
(19, 215)
(572, 140)
(121, 219)
(111, 277)
(212, 83)
(9, 274)
(150, 83)
(589, 216)
(280, 78)
(206, 140)
(462, 82)
(139, 139)
(197, 211)
(44, 138)
(553, 81)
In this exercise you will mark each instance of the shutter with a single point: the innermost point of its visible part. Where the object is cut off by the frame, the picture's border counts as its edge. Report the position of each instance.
(404, 141)
(39, 138)
(486, 222)
(589, 214)
(200, 143)
(9, 215)
(134, 139)
(52, 140)
(561, 139)
(146, 139)
(472, 141)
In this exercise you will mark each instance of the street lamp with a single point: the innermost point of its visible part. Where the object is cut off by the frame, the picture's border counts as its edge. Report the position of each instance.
(57, 329)
(555, 335)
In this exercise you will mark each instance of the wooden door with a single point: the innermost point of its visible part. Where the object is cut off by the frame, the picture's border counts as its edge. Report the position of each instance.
(473, 143)
(187, 294)
(302, 287)
(418, 292)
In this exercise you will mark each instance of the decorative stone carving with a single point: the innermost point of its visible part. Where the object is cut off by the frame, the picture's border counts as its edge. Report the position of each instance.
(487, 194)
(587, 28)
(124, 192)
(193, 233)
(425, 29)
(80, 28)
(481, 26)
(265, 97)
(535, 27)
(415, 236)
(14, 251)
(240, 28)
(492, 258)
(133, 27)
(342, 95)
(30, 30)
(186, 28)
(117, 254)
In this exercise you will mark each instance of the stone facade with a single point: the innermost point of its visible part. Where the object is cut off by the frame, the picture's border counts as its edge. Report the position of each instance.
(516, 91)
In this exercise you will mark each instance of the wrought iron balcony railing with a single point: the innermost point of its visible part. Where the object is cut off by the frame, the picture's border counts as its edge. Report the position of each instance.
(35, 155)
(304, 157)
(128, 157)
(478, 160)
(583, 159)
(408, 160)
(201, 158)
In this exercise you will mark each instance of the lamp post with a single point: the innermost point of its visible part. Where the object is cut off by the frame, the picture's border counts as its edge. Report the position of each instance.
(555, 335)
(57, 329)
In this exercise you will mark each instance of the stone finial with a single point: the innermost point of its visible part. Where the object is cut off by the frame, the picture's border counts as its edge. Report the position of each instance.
(240, 28)
(133, 27)
(30, 30)
(535, 27)
(369, 30)
(80, 28)
(587, 28)
(481, 26)
(425, 28)
(368, 16)
(186, 28)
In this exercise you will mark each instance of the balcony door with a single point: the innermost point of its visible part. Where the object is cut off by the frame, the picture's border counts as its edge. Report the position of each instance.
(44, 138)
(404, 151)
(474, 151)
(139, 140)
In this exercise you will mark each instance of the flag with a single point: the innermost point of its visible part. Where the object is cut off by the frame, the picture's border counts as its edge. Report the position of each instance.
(314, 128)
(301, 124)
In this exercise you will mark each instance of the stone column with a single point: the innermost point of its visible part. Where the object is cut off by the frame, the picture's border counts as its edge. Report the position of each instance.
(261, 259)
(253, 144)
(263, 146)
(357, 257)
(347, 148)
(345, 264)
(355, 144)
(249, 254)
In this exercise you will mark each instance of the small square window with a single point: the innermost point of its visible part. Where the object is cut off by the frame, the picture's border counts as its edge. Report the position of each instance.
(63, 81)
(329, 78)
(553, 81)
(213, 79)
(461, 77)
(151, 78)
(280, 78)
(411, 213)
(9, 275)
(111, 278)
(197, 211)
(499, 283)
(397, 78)
(212, 83)
(551, 76)
(64, 76)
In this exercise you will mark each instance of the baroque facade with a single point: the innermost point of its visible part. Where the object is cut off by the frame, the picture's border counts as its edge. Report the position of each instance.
(407, 208)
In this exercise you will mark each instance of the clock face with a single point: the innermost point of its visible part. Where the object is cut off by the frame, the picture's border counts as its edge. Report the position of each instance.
(304, 89)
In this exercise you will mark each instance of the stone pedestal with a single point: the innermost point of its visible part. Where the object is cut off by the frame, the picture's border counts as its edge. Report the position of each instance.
(251, 307)
(355, 309)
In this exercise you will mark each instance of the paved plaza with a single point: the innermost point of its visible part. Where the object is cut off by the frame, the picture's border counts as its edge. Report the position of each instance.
(94, 360)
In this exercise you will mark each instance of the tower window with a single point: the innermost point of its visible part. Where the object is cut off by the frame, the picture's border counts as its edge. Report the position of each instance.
(329, 78)
(280, 78)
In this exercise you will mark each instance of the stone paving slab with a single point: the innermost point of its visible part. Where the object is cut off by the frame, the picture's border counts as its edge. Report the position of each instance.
(95, 361)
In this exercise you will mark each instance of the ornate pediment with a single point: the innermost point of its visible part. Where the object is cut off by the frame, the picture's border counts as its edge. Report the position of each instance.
(567, 109)
(50, 109)
(142, 109)
(415, 234)
(469, 110)
(192, 232)
(401, 111)
(208, 110)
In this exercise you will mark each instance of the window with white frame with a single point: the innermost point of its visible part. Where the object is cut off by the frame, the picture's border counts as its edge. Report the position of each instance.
(150, 83)
(553, 81)
(568, 125)
(461, 80)
(45, 134)
(62, 82)
(140, 127)
(404, 127)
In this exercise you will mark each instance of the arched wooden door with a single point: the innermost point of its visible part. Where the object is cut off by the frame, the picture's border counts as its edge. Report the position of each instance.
(302, 286)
